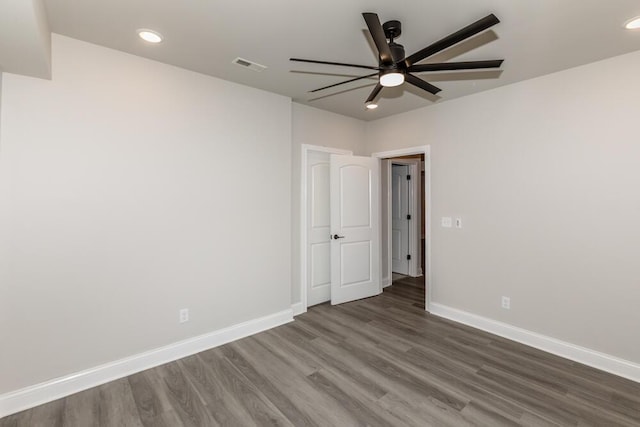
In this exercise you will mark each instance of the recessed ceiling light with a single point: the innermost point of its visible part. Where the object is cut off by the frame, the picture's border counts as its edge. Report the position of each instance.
(633, 24)
(371, 105)
(150, 35)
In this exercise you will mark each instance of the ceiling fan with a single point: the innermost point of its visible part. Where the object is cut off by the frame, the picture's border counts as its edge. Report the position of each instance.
(394, 68)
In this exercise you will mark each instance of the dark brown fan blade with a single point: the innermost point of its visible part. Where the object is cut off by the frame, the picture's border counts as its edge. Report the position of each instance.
(421, 84)
(376, 90)
(447, 66)
(342, 64)
(346, 81)
(375, 28)
(450, 40)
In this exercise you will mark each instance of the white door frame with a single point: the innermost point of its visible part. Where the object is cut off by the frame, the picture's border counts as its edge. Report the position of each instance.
(426, 150)
(305, 150)
(414, 209)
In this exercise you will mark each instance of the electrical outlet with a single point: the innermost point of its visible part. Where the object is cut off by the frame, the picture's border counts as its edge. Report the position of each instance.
(446, 221)
(506, 303)
(184, 315)
(458, 222)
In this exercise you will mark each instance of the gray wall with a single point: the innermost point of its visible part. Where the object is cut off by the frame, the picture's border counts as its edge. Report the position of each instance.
(130, 189)
(546, 176)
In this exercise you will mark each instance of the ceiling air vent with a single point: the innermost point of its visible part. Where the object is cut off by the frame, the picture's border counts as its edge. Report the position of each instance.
(248, 64)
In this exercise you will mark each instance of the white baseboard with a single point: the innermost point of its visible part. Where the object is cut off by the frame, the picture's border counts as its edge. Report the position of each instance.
(48, 391)
(602, 361)
(298, 309)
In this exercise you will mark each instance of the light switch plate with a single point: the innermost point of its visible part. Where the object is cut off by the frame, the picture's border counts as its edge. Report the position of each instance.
(458, 222)
(447, 222)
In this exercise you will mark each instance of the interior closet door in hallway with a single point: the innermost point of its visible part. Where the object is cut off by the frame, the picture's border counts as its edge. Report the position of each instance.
(400, 217)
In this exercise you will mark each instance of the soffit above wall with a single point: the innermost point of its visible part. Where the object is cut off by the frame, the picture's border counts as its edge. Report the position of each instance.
(25, 38)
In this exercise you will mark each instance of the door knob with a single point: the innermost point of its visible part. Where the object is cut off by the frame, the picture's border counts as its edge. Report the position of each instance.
(336, 237)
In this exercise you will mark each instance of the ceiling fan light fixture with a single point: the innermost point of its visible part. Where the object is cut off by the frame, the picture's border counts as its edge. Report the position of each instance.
(150, 35)
(391, 78)
(633, 24)
(394, 68)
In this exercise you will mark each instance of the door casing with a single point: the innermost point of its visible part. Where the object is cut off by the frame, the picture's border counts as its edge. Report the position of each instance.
(426, 150)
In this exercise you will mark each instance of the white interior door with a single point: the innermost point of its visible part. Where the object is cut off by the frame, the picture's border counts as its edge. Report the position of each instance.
(318, 229)
(355, 243)
(399, 219)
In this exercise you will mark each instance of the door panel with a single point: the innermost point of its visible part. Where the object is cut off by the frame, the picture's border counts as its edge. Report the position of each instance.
(356, 263)
(355, 197)
(355, 210)
(320, 214)
(319, 221)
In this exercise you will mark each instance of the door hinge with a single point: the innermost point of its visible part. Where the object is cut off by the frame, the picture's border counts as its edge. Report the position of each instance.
(408, 216)
(408, 257)
(408, 177)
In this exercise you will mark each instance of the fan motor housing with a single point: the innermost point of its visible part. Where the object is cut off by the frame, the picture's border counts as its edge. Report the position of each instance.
(392, 29)
(397, 51)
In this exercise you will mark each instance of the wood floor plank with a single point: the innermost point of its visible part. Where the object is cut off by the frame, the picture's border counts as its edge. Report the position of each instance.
(117, 406)
(355, 403)
(319, 406)
(485, 415)
(428, 412)
(281, 398)
(599, 412)
(152, 407)
(446, 377)
(223, 405)
(530, 398)
(11, 420)
(296, 359)
(185, 400)
(83, 409)
(408, 377)
(407, 414)
(49, 414)
(400, 361)
(381, 361)
(346, 320)
(328, 362)
(253, 404)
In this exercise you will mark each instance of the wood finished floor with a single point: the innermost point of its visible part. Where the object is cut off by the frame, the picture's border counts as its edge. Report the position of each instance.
(378, 362)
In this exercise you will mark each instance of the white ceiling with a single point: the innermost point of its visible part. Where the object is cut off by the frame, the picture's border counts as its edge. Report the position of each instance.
(535, 37)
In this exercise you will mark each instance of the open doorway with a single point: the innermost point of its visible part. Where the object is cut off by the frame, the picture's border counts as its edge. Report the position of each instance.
(405, 218)
(405, 207)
